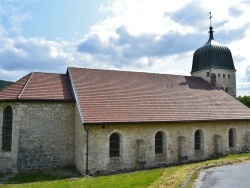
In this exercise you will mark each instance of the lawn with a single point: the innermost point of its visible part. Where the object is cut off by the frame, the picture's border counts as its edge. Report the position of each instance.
(171, 177)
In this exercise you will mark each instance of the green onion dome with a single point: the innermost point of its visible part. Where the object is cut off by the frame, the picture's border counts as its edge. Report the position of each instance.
(212, 55)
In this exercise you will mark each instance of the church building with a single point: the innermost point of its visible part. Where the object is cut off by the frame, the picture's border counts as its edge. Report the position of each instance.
(105, 121)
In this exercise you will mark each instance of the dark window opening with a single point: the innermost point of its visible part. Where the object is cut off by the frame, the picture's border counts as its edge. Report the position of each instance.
(224, 75)
(207, 73)
(226, 89)
(158, 143)
(231, 138)
(229, 76)
(7, 129)
(197, 140)
(219, 75)
(114, 145)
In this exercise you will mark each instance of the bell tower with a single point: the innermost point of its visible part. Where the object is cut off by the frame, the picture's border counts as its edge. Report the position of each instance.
(214, 63)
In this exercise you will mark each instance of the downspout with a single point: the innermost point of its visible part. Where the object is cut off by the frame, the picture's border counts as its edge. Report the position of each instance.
(87, 151)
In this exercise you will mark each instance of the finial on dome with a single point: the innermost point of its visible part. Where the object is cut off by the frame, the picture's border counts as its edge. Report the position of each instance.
(210, 17)
(211, 37)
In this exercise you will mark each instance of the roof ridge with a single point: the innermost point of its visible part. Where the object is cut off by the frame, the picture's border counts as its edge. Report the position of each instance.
(128, 71)
(19, 96)
(54, 73)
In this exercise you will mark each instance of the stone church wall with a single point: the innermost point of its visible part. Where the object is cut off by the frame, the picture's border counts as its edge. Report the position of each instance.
(43, 135)
(175, 134)
(80, 142)
(224, 79)
(8, 159)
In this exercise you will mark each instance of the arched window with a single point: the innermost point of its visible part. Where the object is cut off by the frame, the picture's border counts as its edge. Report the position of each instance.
(226, 89)
(114, 145)
(7, 129)
(197, 140)
(231, 137)
(159, 143)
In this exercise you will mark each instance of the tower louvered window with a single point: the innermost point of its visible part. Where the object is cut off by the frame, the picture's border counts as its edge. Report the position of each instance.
(7, 129)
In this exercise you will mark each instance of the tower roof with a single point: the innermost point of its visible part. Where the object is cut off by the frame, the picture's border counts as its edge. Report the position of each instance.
(212, 55)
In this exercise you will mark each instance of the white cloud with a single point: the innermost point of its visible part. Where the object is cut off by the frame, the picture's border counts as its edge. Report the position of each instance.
(144, 35)
(147, 23)
(12, 16)
(33, 54)
(17, 20)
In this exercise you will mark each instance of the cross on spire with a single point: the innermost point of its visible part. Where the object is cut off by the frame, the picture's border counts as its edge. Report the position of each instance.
(210, 17)
(211, 37)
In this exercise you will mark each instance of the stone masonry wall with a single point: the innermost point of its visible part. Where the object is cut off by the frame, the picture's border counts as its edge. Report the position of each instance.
(8, 159)
(46, 135)
(100, 162)
(80, 142)
(43, 135)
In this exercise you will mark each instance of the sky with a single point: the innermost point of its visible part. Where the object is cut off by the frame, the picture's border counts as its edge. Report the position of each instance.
(157, 36)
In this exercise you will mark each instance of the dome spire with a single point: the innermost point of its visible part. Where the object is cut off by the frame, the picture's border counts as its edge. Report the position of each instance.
(211, 37)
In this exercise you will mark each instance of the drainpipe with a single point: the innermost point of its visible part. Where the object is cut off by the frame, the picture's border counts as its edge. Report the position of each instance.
(87, 151)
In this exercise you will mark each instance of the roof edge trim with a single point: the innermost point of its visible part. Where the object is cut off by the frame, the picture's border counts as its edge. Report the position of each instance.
(75, 95)
(19, 96)
(153, 122)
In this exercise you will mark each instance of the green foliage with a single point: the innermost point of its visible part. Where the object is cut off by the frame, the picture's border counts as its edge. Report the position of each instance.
(245, 100)
(4, 84)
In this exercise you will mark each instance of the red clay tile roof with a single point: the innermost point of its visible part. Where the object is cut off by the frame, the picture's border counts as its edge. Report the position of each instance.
(39, 86)
(106, 96)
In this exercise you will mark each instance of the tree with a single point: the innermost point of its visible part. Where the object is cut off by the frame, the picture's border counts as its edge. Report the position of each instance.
(4, 84)
(245, 100)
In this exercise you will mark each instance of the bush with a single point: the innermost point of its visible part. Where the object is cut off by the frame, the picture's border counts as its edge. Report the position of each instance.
(245, 100)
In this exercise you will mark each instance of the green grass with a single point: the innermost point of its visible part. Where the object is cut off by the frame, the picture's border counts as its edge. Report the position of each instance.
(31, 177)
(136, 179)
(171, 177)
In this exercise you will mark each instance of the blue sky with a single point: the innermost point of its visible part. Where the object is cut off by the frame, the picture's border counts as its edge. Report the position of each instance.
(143, 35)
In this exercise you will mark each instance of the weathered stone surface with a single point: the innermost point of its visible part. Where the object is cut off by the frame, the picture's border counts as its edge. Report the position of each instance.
(80, 144)
(141, 153)
(43, 136)
(130, 133)
(218, 145)
(182, 149)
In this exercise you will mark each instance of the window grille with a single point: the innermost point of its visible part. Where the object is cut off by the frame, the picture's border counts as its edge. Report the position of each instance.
(114, 145)
(231, 138)
(7, 129)
(158, 143)
(197, 140)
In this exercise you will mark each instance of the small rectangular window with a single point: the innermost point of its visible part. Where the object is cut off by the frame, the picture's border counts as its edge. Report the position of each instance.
(207, 73)
(229, 76)
(224, 75)
(219, 75)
